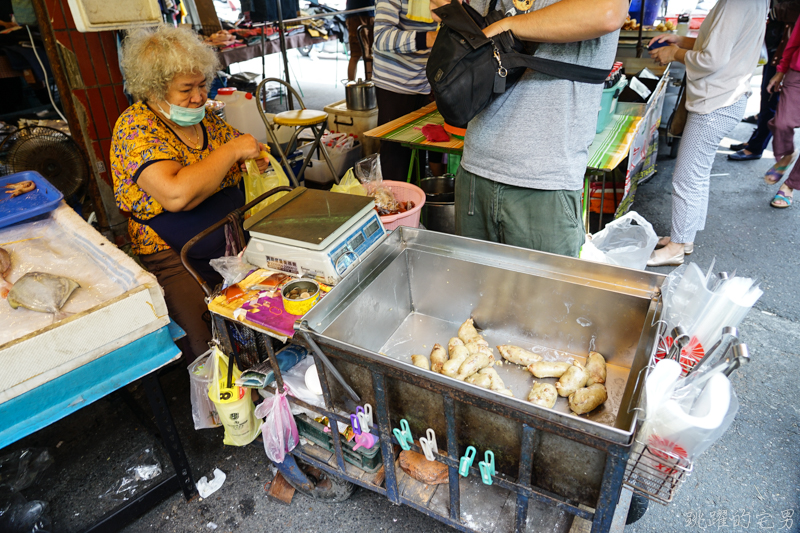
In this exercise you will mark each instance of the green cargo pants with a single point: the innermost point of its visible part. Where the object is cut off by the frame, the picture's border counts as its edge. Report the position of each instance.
(548, 221)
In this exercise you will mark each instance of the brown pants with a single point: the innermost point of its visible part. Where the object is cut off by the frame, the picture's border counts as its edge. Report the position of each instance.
(356, 53)
(184, 297)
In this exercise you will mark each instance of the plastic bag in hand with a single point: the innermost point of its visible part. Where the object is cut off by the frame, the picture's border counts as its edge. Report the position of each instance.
(279, 429)
(257, 183)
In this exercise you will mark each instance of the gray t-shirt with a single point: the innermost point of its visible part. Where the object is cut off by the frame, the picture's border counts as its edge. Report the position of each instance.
(537, 134)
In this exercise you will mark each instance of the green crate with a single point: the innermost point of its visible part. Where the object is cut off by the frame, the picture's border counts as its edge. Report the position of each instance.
(368, 460)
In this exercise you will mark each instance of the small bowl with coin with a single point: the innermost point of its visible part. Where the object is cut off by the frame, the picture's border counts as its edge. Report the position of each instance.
(299, 296)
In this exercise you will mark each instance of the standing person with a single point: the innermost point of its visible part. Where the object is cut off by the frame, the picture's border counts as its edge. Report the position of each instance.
(525, 155)
(354, 20)
(719, 65)
(176, 168)
(781, 16)
(403, 38)
(787, 118)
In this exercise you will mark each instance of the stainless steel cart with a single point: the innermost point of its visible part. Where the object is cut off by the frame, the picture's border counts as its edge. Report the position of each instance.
(414, 290)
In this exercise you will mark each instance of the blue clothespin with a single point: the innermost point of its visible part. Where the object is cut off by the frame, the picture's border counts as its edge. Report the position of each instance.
(403, 435)
(487, 467)
(356, 424)
(466, 461)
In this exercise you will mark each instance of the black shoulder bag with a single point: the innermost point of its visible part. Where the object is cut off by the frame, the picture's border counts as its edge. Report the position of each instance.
(466, 69)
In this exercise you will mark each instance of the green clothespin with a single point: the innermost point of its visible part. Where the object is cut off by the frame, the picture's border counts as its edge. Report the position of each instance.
(487, 467)
(466, 461)
(403, 435)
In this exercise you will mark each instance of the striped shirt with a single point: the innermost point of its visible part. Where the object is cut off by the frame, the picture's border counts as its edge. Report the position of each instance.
(397, 64)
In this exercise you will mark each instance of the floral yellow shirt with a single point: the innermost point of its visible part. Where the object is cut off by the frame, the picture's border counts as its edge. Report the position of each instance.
(141, 138)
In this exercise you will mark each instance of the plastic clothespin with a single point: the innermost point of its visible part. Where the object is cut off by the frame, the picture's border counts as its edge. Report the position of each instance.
(368, 415)
(365, 440)
(428, 445)
(356, 424)
(466, 461)
(363, 419)
(403, 435)
(487, 467)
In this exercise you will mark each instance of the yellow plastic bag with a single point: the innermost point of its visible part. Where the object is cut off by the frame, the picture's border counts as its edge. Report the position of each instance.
(349, 184)
(256, 183)
(234, 405)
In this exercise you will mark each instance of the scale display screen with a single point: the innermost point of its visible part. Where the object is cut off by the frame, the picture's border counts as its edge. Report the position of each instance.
(371, 228)
(359, 242)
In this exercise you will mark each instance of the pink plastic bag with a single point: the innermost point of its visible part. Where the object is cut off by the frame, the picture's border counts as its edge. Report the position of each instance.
(279, 430)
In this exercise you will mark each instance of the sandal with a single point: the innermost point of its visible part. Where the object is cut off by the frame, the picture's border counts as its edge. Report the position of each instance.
(775, 174)
(781, 197)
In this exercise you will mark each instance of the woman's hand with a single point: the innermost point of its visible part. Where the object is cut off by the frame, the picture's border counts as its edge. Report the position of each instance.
(776, 83)
(430, 38)
(664, 55)
(245, 147)
(666, 38)
(260, 159)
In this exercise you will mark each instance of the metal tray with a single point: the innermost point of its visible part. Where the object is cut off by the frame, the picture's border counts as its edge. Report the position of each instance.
(43, 199)
(417, 287)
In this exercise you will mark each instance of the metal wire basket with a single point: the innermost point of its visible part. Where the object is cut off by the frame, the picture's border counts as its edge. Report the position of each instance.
(654, 473)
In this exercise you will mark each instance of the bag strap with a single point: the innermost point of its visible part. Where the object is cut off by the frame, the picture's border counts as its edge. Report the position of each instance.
(455, 17)
(557, 69)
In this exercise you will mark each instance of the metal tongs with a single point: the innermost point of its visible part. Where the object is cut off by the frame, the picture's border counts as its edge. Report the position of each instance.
(730, 336)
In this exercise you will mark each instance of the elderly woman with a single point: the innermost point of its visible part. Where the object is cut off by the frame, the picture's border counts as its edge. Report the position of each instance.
(176, 169)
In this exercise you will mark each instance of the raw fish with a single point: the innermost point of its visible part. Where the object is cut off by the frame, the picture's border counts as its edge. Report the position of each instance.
(518, 355)
(5, 268)
(41, 292)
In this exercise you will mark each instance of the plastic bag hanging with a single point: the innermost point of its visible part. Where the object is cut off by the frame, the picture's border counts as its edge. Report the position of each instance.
(234, 405)
(279, 429)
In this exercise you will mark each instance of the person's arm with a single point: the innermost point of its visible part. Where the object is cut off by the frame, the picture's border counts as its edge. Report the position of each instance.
(388, 35)
(182, 188)
(790, 50)
(566, 21)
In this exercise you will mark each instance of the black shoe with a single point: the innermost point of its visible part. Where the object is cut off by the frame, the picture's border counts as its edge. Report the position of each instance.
(752, 119)
(737, 147)
(741, 156)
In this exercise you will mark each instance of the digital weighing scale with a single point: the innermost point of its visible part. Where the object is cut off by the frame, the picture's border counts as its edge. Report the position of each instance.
(312, 233)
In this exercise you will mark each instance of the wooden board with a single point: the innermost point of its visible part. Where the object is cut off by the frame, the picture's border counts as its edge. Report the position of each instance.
(414, 490)
(280, 491)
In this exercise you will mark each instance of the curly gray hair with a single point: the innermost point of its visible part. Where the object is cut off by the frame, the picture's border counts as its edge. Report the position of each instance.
(151, 58)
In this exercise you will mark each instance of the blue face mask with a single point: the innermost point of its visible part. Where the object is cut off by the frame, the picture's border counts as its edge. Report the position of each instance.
(185, 116)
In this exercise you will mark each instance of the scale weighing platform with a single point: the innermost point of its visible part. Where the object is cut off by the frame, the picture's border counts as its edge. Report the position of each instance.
(313, 233)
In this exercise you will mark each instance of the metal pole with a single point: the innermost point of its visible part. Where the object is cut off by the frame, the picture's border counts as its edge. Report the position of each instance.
(282, 37)
(639, 46)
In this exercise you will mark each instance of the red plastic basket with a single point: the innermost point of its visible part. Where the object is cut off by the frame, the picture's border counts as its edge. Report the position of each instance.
(403, 192)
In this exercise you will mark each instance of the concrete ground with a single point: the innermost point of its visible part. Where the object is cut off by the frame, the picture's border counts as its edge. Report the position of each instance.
(749, 480)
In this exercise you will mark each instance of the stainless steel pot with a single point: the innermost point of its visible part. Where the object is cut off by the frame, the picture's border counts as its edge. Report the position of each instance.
(360, 95)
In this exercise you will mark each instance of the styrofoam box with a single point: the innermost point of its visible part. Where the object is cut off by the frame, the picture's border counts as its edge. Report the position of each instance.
(118, 302)
(341, 119)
